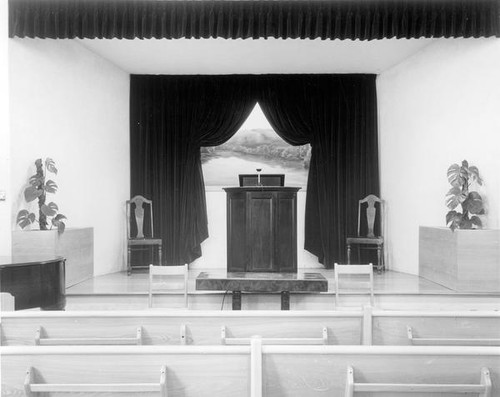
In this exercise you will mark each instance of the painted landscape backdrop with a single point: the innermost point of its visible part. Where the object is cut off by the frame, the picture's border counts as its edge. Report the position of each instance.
(255, 148)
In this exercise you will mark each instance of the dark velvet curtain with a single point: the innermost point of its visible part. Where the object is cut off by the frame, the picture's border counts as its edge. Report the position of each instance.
(324, 19)
(337, 114)
(171, 117)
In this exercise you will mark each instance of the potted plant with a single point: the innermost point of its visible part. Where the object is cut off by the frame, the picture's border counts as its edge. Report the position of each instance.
(464, 259)
(462, 177)
(38, 189)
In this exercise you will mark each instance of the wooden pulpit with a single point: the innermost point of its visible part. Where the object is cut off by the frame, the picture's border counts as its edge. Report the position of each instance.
(262, 229)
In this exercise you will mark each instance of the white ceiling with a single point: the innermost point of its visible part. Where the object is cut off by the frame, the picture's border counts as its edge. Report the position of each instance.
(220, 56)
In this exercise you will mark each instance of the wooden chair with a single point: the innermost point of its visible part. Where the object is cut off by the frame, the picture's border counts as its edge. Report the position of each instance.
(368, 239)
(139, 241)
(168, 273)
(353, 270)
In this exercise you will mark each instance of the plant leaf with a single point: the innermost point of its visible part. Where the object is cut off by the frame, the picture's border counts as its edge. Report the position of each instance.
(453, 219)
(474, 174)
(454, 197)
(58, 217)
(51, 186)
(450, 216)
(465, 164)
(31, 193)
(49, 210)
(25, 218)
(453, 175)
(465, 223)
(474, 203)
(61, 226)
(51, 165)
(35, 180)
(38, 163)
(476, 221)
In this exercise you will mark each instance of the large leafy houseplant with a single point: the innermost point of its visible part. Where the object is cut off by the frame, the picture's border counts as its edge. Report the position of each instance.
(462, 177)
(38, 189)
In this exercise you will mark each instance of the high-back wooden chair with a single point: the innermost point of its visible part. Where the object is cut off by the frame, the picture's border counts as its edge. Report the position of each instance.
(353, 270)
(142, 240)
(171, 278)
(367, 209)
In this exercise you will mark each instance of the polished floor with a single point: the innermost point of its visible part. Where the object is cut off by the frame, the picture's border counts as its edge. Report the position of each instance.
(389, 282)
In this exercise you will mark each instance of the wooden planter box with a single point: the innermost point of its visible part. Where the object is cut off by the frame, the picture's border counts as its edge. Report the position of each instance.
(75, 244)
(464, 260)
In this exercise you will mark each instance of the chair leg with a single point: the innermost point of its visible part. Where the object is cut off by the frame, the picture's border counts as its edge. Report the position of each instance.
(159, 256)
(348, 254)
(129, 261)
(379, 259)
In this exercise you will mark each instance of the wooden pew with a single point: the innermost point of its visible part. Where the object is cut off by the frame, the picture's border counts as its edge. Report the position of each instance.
(256, 370)
(377, 327)
(203, 371)
(181, 327)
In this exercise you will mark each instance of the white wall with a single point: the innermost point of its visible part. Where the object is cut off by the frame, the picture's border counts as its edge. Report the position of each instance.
(5, 206)
(214, 248)
(438, 107)
(71, 105)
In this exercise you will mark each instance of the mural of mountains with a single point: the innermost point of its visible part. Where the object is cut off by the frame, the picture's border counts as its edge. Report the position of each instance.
(264, 143)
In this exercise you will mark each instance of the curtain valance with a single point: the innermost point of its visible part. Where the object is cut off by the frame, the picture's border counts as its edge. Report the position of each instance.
(235, 19)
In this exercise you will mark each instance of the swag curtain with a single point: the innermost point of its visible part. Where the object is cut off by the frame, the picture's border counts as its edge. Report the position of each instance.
(240, 19)
(337, 114)
(172, 116)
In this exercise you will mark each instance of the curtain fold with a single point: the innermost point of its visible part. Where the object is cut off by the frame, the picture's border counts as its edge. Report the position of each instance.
(243, 19)
(337, 114)
(170, 118)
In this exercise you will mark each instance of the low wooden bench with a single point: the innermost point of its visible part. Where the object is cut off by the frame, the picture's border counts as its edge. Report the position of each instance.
(256, 370)
(174, 327)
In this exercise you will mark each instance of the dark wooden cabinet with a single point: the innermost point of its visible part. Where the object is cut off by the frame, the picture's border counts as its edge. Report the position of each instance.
(262, 229)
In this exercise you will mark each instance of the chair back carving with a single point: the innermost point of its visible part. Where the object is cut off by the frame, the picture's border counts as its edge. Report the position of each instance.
(371, 213)
(135, 211)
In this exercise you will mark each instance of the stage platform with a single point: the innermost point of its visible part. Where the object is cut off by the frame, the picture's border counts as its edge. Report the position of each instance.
(393, 291)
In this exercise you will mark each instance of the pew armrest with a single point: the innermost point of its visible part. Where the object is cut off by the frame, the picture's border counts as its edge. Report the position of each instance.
(483, 388)
(40, 340)
(31, 387)
(450, 341)
(323, 340)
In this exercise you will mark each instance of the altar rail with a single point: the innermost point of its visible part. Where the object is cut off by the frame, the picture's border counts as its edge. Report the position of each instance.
(256, 370)
(377, 327)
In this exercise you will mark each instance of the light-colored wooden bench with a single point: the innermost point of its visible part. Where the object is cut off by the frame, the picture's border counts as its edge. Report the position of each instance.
(256, 370)
(174, 327)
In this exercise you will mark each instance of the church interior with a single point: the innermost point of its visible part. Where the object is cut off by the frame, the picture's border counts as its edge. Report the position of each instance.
(250, 197)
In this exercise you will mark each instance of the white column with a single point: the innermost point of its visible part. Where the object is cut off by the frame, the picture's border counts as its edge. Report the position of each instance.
(5, 199)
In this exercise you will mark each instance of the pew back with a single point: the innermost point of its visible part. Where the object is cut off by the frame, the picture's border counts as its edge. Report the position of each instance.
(231, 370)
(378, 327)
(182, 327)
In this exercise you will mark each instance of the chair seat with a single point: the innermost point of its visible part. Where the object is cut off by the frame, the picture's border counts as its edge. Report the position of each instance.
(145, 241)
(365, 240)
